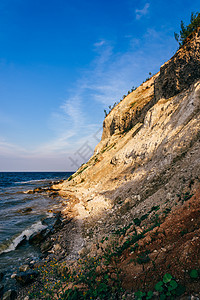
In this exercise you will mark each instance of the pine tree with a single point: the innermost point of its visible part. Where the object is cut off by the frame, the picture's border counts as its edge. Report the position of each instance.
(187, 30)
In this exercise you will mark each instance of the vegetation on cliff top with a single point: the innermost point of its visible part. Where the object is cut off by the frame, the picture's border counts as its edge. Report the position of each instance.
(187, 30)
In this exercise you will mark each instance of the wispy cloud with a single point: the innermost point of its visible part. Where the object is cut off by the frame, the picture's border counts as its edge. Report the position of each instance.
(142, 12)
(100, 43)
(110, 75)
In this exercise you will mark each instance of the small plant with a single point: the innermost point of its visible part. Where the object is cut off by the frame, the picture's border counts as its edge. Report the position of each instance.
(168, 287)
(194, 274)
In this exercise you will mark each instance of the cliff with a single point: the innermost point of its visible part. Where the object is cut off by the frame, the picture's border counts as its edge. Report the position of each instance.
(143, 179)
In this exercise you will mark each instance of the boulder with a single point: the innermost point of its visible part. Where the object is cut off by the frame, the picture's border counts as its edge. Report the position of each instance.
(37, 237)
(24, 278)
(53, 222)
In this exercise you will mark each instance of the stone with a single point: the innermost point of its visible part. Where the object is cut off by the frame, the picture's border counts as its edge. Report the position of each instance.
(46, 246)
(24, 278)
(38, 190)
(30, 192)
(13, 275)
(1, 290)
(57, 247)
(26, 210)
(53, 194)
(24, 268)
(22, 242)
(10, 295)
(37, 237)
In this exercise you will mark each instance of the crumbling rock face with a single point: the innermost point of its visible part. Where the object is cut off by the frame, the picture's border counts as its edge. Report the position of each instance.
(130, 111)
(181, 70)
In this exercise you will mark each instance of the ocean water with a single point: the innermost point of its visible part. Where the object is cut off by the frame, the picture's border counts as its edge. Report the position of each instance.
(21, 214)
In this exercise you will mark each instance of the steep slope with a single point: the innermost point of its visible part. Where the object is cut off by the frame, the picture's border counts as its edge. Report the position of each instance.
(142, 172)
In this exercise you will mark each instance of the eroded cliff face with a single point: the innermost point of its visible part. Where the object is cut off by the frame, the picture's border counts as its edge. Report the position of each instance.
(182, 70)
(148, 157)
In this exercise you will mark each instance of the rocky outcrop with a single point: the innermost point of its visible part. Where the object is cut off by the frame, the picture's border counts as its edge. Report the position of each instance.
(182, 70)
(146, 166)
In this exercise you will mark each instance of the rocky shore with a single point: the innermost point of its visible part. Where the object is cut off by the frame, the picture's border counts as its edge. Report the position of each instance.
(45, 240)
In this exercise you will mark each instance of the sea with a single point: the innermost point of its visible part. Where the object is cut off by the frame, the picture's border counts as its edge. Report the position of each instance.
(21, 214)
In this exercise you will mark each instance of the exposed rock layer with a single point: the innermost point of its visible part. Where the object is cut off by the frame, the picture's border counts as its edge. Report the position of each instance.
(148, 157)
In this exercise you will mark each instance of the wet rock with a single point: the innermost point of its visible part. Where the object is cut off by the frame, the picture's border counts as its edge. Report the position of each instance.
(25, 278)
(53, 222)
(10, 295)
(26, 210)
(22, 242)
(1, 290)
(58, 223)
(37, 237)
(38, 190)
(46, 246)
(30, 192)
(24, 268)
(53, 194)
(1, 276)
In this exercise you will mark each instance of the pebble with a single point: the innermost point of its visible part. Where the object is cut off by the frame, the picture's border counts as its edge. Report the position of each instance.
(13, 275)
(24, 268)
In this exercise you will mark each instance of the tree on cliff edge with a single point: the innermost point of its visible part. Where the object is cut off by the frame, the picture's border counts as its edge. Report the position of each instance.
(187, 30)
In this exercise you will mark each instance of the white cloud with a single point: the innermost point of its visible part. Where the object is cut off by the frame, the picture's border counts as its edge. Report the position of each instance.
(99, 44)
(142, 12)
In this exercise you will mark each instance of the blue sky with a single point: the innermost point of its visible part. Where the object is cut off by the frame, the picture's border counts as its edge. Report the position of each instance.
(63, 62)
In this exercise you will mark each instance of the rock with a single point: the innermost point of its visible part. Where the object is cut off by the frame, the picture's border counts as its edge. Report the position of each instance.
(26, 298)
(10, 295)
(30, 192)
(180, 71)
(37, 237)
(53, 222)
(25, 278)
(1, 275)
(22, 242)
(24, 268)
(57, 247)
(1, 290)
(38, 190)
(13, 275)
(53, 194)
(46, 246)
(26, 210)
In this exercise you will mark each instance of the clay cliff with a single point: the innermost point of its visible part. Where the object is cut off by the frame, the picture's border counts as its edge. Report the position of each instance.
(143, 179)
